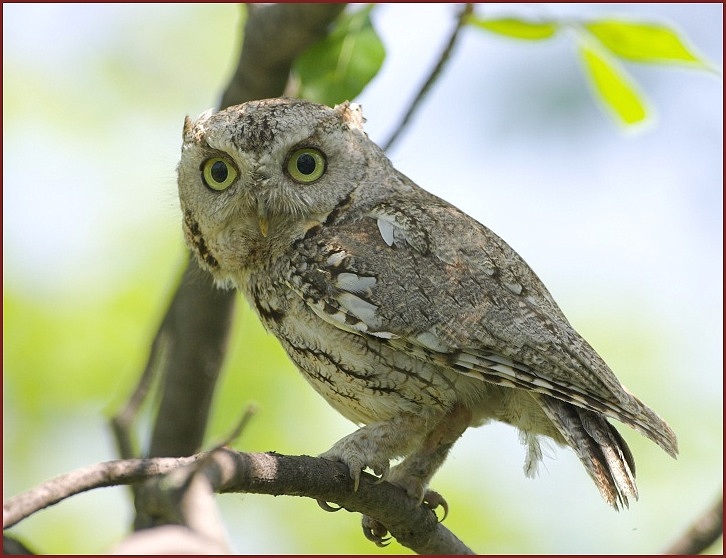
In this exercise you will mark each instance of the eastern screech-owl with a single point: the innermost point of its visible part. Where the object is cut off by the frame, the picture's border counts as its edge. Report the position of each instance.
(408, 316)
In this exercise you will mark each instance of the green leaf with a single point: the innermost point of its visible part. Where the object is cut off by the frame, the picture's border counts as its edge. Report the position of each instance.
(516, 28)
(337, 68)
(613, 87)
(642, 42)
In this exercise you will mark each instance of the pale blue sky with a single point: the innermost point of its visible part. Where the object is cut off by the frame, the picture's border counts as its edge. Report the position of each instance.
(624, 229)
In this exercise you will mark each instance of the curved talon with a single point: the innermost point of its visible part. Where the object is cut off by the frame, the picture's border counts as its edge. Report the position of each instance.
(354, 469)
(375, 532)
(327, 507)
(355, 475)
(357, 456)
(433, 500)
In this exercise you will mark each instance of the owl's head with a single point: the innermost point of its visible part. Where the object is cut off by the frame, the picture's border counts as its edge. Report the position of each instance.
(256, 176)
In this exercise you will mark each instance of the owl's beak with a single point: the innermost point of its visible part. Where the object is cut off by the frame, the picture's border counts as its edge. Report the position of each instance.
(262, 220)
(264, 225)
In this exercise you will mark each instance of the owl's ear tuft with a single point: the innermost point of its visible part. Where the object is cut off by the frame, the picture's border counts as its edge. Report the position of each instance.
(188, 125)
(194, 129)
(351, 114)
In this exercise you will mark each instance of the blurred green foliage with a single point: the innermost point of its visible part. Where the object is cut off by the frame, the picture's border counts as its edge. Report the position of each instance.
(516, 28)
(599, 41)
(613, 87)
(75, 342)
(337, 68)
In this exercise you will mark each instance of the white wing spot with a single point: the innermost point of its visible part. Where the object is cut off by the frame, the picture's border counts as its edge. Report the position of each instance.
(359, 308)
(387, 230)
(358, 284)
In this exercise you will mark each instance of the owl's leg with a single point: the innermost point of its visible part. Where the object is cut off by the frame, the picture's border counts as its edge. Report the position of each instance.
(375, 444)
(414, 473)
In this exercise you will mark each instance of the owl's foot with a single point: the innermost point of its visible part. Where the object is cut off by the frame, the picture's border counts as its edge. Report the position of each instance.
(433, 500)
(377, 533)
(374, 445)
(413, 482)
(357, 457)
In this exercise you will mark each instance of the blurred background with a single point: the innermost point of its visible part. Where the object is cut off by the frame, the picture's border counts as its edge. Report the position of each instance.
(625, 229)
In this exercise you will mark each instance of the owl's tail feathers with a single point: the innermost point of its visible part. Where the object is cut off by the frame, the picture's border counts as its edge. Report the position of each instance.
(652, 426)
(599, 447)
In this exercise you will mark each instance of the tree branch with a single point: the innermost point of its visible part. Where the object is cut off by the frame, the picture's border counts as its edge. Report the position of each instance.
(15, 547)
(414, 526)
(702, 533)
(196, 328)
(109, 473)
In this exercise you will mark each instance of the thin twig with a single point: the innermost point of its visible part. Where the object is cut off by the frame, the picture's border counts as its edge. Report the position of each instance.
(122, 422)
(109, 473)
(433, 76)
(250, 412)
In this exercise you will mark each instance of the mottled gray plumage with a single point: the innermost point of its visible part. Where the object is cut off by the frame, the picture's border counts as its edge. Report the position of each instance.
(408, 316)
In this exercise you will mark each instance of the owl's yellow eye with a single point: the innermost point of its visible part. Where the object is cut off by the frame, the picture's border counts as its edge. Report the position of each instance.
(218, 173)
(306, 165)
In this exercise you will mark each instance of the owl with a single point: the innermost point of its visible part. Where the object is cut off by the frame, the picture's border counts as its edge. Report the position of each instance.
(408, 316)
